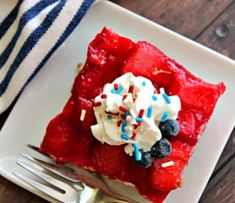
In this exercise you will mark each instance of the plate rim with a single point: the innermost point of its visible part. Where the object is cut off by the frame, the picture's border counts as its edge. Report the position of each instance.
(152, 24)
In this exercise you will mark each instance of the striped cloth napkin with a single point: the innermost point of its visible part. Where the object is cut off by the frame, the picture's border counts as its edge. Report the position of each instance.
(30, 32)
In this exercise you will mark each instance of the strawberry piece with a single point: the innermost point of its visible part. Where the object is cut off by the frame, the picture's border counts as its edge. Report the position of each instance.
(154, 196)
(87, 105)
(195, 94)
(66, 143)
(169, 178)
(68, 108)
(148, 61)
(192, 124)
(57, 135)
(202, 96)
(105, 57)
(112, 160)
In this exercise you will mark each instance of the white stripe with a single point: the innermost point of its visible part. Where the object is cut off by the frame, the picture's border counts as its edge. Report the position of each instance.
(26, 5)
(37, 54)
(29, 27)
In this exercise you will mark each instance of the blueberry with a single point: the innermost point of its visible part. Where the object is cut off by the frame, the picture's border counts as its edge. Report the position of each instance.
(169, 128)
(146, 159)
(161, 148)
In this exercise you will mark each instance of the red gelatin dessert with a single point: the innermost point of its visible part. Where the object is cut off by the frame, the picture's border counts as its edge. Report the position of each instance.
(134, 115)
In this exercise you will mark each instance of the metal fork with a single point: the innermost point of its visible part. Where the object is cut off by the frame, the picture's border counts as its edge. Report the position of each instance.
(64, 184)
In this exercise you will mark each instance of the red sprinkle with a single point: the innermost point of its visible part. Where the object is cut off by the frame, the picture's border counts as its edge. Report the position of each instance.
(97, 104)
(133, 136)
(115, 86)
(103, 96)
(157, 91)
(131, 89)
(112, 113)
(134, 97)
(123, 116)
(119, 123)
(124, 97)
(137, 125)
(141, 113)
(122, 108)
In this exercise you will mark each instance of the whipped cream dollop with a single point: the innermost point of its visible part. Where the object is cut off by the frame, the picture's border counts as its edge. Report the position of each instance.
(129, 111)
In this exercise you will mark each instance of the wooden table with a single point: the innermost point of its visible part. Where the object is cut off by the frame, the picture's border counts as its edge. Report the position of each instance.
(209, 22)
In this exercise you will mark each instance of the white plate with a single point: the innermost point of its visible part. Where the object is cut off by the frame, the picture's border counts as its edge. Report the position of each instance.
(45, 96)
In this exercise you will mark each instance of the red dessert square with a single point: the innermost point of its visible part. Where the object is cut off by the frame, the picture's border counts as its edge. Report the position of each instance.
(69, 139)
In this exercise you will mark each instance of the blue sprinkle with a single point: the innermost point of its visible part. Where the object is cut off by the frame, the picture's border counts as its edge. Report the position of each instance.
(118, 91)
(138, 119)
(136, 152)
(124, 136)
(144, 83)
(167, 98)
(109, 117)
(154, 97)
(123, 126)
(126, 113)
(149, 111)
(164, 116)
(113, 91)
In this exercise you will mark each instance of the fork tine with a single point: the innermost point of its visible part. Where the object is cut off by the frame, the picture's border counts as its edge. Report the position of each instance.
(49, 179)
(54, 168)
(43, 188)
(64, 172)
(92, 181)
(34, 148)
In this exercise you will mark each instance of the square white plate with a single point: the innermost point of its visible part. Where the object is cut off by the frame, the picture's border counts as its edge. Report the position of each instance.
(45, 96)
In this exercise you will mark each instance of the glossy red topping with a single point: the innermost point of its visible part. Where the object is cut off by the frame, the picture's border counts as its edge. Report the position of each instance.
(169, 178)
(68, 139)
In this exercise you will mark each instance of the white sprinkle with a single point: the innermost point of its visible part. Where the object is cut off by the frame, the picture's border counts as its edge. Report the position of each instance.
(128, 118)
(133, 113)
(162, 90)
(128, 100)
(83, 114)
(167, 164)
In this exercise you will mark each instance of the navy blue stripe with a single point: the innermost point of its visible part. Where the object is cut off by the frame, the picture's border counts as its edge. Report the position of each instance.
(10, 18)
(26, 17)
(30, 43)
(73, 24)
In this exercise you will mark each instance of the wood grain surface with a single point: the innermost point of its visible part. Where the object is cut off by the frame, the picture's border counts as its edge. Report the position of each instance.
(209, 22)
